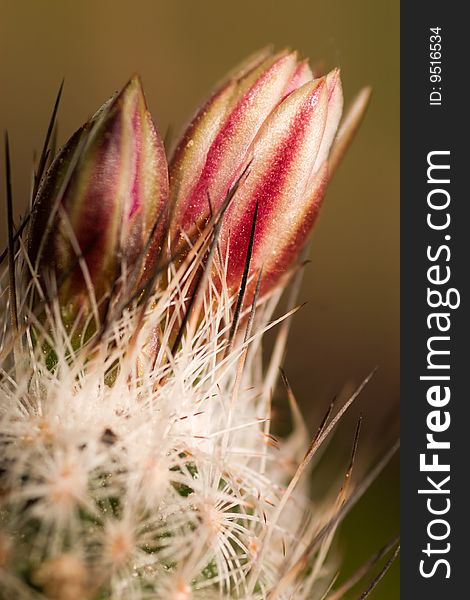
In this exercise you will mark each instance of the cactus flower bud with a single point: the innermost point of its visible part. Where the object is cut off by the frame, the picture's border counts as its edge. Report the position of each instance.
(100, 211)
(274, 116)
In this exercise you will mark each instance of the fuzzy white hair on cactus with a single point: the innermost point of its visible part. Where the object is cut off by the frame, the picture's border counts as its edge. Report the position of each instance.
(138, 460)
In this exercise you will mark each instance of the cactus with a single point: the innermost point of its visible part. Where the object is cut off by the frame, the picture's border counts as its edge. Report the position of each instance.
(138, 455)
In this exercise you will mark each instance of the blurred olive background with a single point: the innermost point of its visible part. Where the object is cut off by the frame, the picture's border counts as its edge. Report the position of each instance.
(351, 321)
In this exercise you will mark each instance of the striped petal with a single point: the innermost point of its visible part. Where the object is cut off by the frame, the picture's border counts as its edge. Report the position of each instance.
(282, 182)
(213, 151)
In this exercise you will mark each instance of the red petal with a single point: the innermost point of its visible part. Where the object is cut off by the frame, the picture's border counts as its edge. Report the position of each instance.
(283, 154)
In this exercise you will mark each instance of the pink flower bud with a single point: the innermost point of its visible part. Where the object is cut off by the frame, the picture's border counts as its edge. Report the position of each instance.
(276, 118)
(100, 213)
